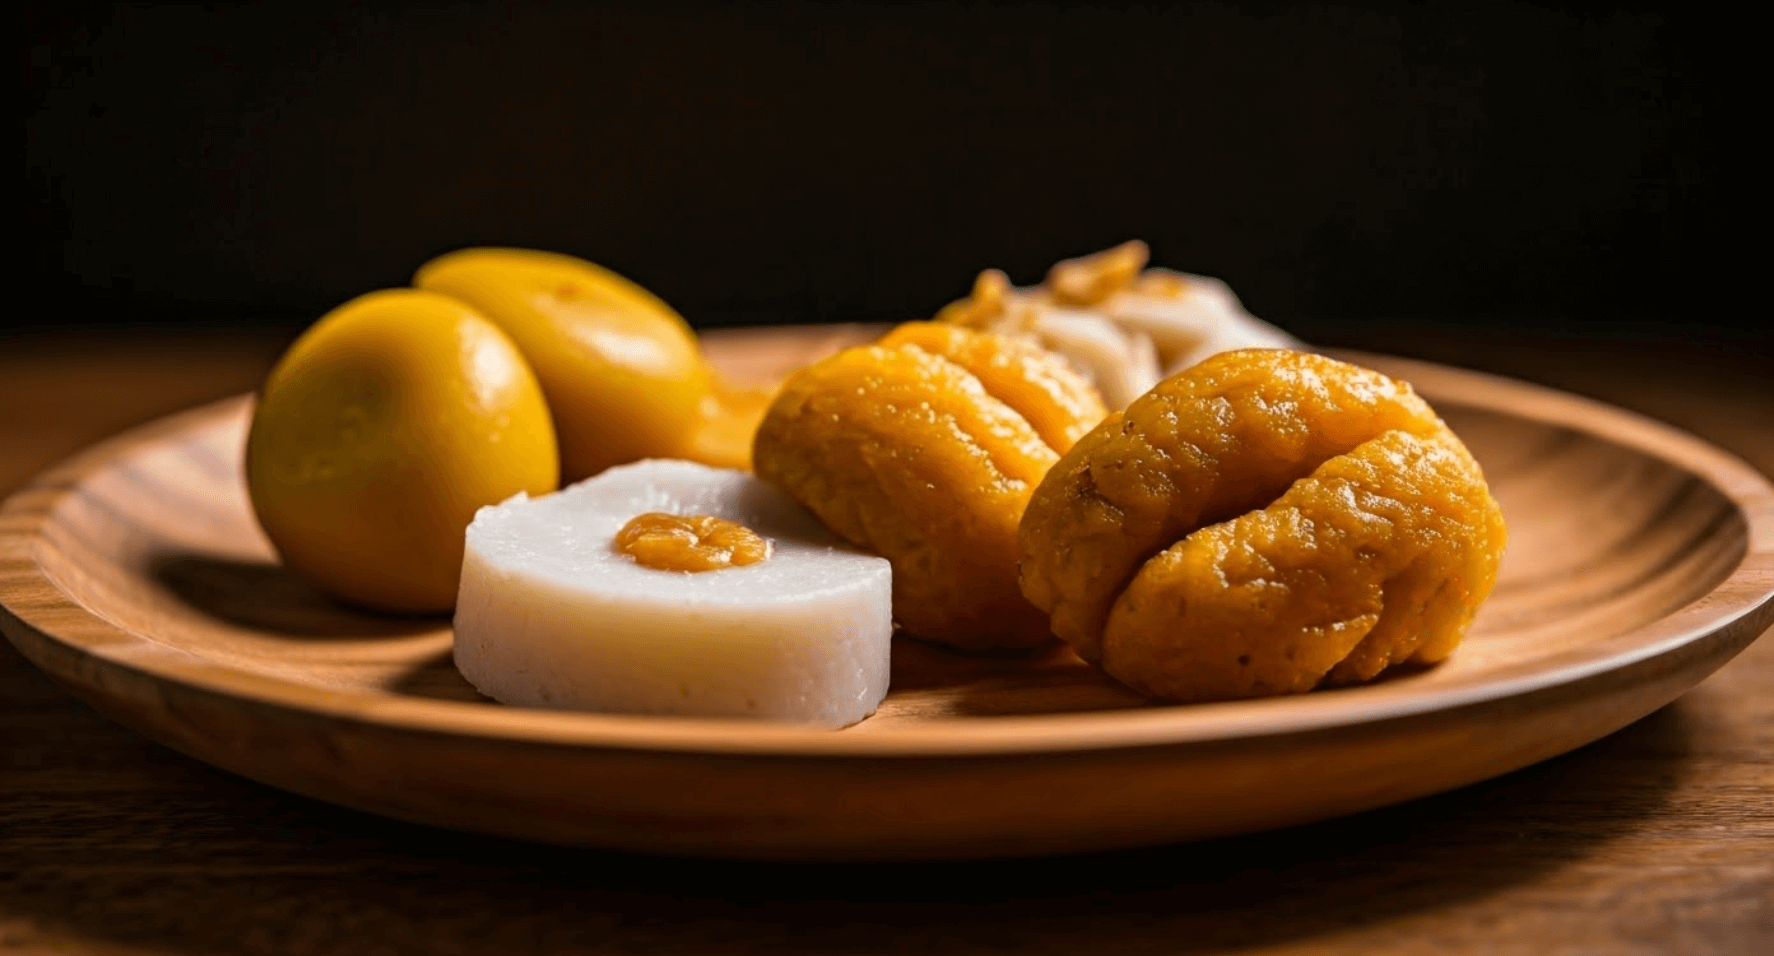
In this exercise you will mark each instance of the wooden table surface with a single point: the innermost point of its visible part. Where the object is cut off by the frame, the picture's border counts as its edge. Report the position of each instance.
(1658, 839)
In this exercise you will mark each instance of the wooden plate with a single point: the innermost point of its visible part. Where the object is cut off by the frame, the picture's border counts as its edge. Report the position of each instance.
(1641, 559)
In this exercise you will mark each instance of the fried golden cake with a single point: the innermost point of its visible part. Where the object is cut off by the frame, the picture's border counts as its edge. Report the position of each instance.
(924, 449)
(1264, 522)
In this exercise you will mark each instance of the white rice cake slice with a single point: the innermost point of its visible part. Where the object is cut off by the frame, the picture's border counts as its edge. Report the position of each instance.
(551, 614)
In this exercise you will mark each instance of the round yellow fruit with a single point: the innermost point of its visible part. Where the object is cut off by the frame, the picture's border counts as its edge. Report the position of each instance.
(379, 434)
(622, 371)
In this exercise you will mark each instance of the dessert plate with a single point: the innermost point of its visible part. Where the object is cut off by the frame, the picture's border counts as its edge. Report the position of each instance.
(1640, 560)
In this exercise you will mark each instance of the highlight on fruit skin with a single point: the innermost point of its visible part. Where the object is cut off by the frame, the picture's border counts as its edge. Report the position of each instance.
(555, 612)
(924, 449)
(1265, 522)
(377, 436)
(623, 372)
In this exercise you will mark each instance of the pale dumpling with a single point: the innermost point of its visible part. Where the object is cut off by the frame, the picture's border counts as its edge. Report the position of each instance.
(552, 614)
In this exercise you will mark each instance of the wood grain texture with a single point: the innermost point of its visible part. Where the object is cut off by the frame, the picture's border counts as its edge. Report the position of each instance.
(1652, 841)
(1642, 560)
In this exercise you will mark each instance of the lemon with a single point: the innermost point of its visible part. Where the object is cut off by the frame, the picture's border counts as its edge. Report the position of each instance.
(380, 433)
(622, 371)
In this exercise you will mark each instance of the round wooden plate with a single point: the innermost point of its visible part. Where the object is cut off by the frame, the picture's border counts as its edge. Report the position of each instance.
(1640, 560)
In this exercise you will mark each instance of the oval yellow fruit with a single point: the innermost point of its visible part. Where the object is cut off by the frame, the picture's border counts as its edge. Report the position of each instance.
(378, 435)
(621, 370)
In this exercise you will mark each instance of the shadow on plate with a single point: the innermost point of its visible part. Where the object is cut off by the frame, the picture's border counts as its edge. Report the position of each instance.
(937, 681)
(940, 682)
(438, 679)
(266, 597)
(928, 681)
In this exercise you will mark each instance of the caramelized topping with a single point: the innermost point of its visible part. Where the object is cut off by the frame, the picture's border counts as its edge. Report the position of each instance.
(1094, 278)
(984, 307)
(668, 542)
(1161, 283)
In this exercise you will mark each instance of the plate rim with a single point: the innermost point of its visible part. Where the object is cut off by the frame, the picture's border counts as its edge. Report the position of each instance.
(59, 626)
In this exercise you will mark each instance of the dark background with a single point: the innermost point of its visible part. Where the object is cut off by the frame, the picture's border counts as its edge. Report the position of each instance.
(1348, 169)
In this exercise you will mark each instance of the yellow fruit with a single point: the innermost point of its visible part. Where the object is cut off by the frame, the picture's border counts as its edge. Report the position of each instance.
(378, 435)
(621, 370)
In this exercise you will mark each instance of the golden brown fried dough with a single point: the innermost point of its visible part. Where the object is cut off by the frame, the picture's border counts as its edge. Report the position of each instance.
(1262, 523)
(925, 449)
(1055, 401)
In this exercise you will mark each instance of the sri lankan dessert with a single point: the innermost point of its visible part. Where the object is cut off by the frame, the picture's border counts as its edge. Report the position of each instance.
(1262, 521)
(1122, 325)
(378, 435)
(1265, 522)
(924, 449)
(668, 587)
(623, 374)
